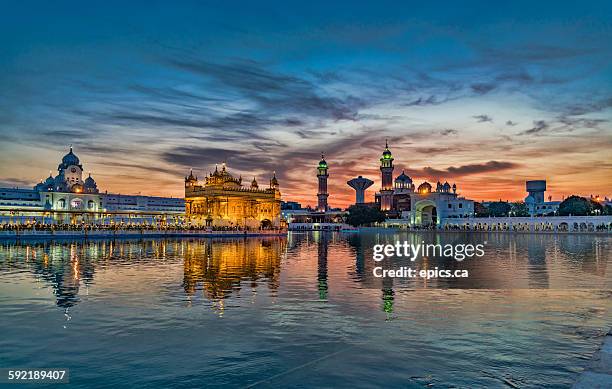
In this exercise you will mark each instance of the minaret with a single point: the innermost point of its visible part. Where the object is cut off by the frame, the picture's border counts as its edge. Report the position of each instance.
(386, 169)
(322, 176)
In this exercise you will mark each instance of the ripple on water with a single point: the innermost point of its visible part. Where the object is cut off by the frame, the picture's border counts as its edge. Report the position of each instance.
(198, 312)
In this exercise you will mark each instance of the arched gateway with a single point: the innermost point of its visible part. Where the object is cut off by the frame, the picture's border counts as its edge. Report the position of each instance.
(426, 213)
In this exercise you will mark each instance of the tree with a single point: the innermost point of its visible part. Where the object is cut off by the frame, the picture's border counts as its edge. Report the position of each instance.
(499, 208)
(596, 206)
(575, 205)
(480, 210)
(361, 214)
(519, 209)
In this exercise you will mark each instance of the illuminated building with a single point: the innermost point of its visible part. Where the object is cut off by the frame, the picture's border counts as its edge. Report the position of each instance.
(222, 200)
(386, 170)
(322, 193)
(406, 204)
(67, 198)
(321, 218)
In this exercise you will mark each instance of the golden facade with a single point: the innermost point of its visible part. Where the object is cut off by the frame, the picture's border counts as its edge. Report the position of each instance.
(221, 200)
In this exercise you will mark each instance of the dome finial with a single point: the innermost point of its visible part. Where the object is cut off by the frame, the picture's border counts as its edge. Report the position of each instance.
(386, 143)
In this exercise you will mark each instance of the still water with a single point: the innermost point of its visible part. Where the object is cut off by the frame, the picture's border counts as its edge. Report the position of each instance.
(304, 310)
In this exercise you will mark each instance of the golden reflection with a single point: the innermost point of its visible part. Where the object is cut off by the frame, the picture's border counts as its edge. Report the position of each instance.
(220, 267)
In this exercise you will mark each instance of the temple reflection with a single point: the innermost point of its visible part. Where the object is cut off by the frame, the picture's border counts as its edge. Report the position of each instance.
(322, 247)
(220, 267)
(64, 268)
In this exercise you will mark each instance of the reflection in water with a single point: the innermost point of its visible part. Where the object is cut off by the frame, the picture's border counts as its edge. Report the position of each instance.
(538, 273)
(322, 265)
(279, 303)
(62, 267)
(221, 267)
(217, 265)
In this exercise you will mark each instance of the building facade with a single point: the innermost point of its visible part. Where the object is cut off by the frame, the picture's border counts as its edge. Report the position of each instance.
(535, 201)
(68, 199)
(221, 200)
(418, 206)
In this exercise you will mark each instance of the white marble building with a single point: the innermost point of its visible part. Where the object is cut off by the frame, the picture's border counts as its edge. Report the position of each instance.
(421, 206)
(67, 198)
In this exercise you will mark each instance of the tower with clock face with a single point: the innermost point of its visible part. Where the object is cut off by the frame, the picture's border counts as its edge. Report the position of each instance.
(73, 174)
(71, 169)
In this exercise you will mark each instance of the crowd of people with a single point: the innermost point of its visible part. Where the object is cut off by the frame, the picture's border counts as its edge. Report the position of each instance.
(37, 226)
(526, 227)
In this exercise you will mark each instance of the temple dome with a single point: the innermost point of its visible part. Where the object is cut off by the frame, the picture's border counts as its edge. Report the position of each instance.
(386, 155)
(424, 187)
(322, 162)
(273, 180)
(70, 159)
(90, 182)
(403, 178)
(191, 177)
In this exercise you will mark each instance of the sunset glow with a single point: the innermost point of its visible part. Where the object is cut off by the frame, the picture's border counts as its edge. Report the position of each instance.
(486, 100)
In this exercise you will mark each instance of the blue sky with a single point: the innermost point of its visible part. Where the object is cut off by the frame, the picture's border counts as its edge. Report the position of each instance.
(485, 96)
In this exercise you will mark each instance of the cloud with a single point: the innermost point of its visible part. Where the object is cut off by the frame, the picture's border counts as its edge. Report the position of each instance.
(448, 131)
(274, 92)
(583, 108)
(463, 170)
(482, 88)
(538, 127)
(483, 118)
(571, 123)
(203, 157)
(430, 100)
(15, 182)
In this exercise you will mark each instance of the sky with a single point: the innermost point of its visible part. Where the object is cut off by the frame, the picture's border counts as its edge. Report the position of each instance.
(483, 96)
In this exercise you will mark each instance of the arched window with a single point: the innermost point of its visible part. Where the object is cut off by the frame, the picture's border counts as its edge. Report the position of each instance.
(61, 203)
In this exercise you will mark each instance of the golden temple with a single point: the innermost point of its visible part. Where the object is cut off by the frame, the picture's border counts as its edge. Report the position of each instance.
(222, 201)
